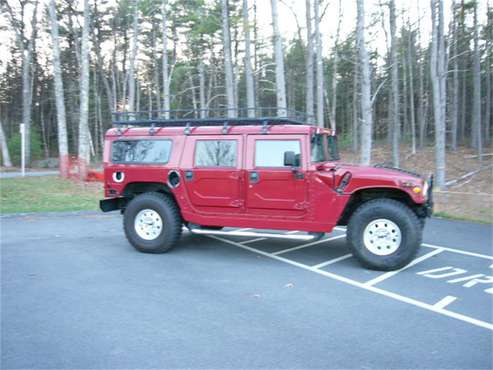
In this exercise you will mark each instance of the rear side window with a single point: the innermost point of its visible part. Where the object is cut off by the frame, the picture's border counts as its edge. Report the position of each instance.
(215, 153)
(270, 153)
(141, 151)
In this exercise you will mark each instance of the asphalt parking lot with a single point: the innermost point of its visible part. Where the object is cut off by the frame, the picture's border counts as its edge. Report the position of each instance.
(75, 294)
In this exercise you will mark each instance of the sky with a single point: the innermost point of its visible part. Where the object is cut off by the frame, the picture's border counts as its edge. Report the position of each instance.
(375, 36)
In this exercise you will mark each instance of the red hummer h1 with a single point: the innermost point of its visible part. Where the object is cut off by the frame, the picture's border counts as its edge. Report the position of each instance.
(268, 173)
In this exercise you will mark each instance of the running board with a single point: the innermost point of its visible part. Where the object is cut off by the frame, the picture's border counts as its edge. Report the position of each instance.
(254, 234)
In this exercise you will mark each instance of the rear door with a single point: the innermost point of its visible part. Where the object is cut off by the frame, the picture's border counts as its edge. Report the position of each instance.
(272, 188)
(213, 176)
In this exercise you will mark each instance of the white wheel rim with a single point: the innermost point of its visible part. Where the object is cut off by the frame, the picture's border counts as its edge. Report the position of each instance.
(382, 237)
(148, 224)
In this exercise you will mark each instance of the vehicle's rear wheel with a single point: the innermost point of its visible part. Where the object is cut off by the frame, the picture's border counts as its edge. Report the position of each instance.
(152, 223)
(384, 234)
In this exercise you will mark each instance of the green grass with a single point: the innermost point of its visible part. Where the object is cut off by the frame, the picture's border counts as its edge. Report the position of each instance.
(47, 194)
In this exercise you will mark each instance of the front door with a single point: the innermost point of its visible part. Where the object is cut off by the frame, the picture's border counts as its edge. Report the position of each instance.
(271, 187)
(213, 177)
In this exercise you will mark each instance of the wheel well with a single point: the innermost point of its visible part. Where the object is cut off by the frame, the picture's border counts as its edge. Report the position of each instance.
(361, 196)
(135, 188)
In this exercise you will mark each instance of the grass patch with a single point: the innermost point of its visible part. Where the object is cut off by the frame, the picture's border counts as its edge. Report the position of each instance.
(486, 220)
(48, 194)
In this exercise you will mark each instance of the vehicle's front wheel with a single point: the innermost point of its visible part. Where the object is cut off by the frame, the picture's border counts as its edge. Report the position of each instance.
(384, 234)
(152, 223)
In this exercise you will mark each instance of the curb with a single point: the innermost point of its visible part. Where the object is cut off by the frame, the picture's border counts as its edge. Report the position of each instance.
(51, 214)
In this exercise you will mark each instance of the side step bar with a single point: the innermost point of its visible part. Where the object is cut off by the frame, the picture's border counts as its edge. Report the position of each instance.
(255, 234)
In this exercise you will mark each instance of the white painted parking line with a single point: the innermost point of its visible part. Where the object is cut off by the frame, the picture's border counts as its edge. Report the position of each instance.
(253, 240)
(460, 251)
(330, 262)
(386, 275)
(445, 302)
(398, 297)
(309, 244)
(260, 239)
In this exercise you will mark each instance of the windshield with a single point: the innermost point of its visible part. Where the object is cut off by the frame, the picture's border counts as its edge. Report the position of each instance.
(318, 150)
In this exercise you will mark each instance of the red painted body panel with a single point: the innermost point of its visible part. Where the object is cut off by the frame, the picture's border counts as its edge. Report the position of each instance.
(304, 200)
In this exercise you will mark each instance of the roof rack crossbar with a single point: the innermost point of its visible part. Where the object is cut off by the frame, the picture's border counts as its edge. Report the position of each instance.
(184, 118)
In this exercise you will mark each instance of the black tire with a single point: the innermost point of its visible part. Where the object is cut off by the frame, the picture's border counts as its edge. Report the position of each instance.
(409, 226)
(171, 222)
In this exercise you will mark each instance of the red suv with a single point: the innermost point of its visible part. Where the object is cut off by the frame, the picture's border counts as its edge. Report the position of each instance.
(269, 173)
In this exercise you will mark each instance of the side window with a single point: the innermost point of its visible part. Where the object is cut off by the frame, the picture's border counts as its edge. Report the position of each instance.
(215, 153)
(141, 151)
(270, 153)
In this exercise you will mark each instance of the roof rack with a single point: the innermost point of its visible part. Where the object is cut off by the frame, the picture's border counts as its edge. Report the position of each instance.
(201, 117)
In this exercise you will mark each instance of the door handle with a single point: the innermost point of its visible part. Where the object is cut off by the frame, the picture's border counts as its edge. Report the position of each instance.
(188, 175)
(254, 177)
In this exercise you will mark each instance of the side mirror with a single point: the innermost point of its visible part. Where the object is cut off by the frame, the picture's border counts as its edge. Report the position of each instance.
(289, 159)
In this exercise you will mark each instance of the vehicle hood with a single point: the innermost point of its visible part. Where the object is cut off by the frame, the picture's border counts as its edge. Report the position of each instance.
(365, 177)
(376, 173)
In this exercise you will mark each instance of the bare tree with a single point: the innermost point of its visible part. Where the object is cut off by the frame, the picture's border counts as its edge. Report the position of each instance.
(396, 127)
(421, 89)
(309, 61)
(334, 70)
(5, 149)
(279, 59)
(365, 88)
(438, 80)
(166, 80)
(410, 46)
(354, 101)
(454, 109)
(203, 111)
(228, 62)
(59, 93)
(248, 63)
(84, 153)
(319, 65)
(487, 113)
(133, 55)
(477, 137)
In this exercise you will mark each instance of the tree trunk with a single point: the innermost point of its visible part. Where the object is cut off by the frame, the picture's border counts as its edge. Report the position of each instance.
(84, 97)
(166, 81)
(250, 92)
(365, 86)
(333, 109)
(309, 63)
(156, 89)
(319, 93)
(203, 113)
(411, 90)
(487, 112)
(355, 117)
(477, 88)
(438, 77)
(228, 62)
(279, 60)
(59, 94)
(133, 55)
(454, 109)
(5, 149)
(27, 79)
(421, 93)
(395, 87)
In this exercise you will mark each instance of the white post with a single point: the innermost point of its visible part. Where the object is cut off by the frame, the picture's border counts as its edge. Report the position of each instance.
(23, 148)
